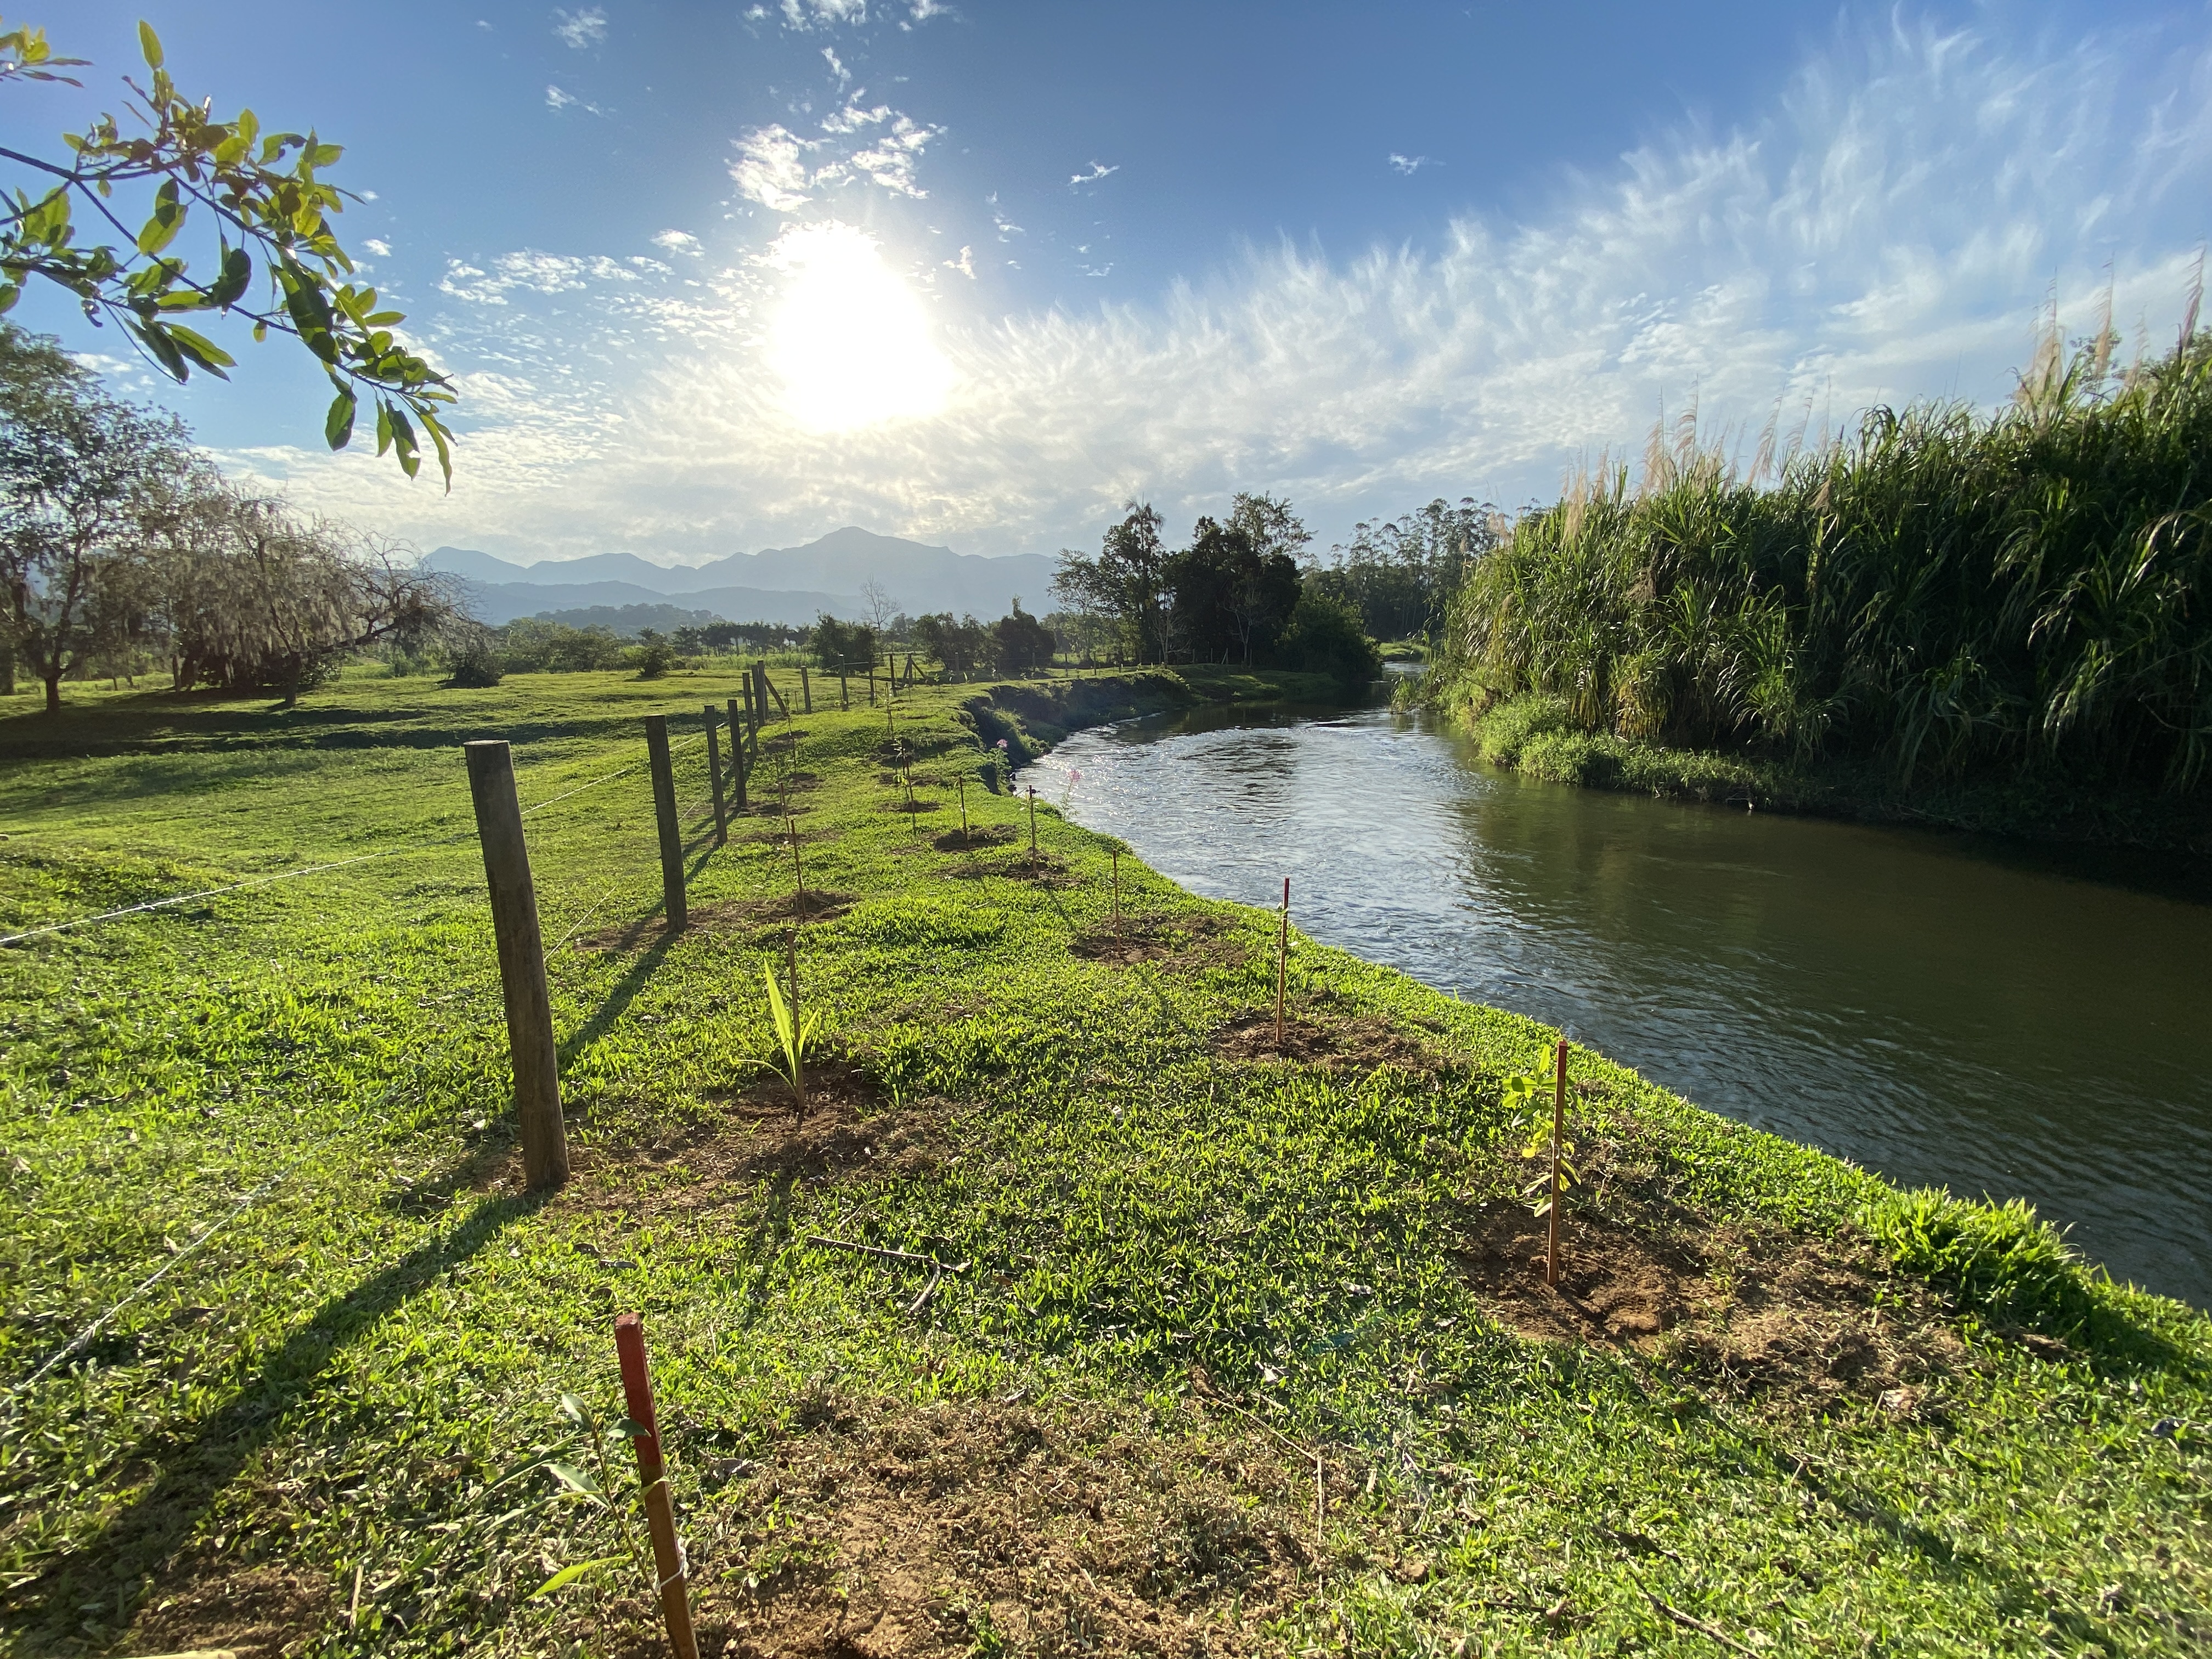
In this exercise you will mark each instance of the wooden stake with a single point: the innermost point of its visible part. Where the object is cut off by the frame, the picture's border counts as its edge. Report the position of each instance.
(805, 688)
(1033, 848)
(530, 1043)
(844, 693)
(653, 1481)
(1282, 964)
(737, 756)
(960, 781)
(1115, 853)
(663, 811)
(714, 777)
(1558, 1128)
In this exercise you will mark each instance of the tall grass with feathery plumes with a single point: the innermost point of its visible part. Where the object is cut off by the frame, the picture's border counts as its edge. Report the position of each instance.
(1949, 590)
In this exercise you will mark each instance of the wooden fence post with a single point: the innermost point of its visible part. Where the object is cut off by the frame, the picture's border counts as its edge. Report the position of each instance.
(760, 695)
(745, 685)
(737, 756)
(652, 1484)
(714, 777)
(663, 811)
(805, 688)
(844, 693)
(521, 964)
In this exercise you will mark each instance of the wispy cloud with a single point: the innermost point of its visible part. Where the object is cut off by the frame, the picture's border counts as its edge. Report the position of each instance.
(678, 242)
(1409, 165)
(1093, 174)
(837, 68)
(1889, 230)
(556, 99)
(581, 29)
(965, 265)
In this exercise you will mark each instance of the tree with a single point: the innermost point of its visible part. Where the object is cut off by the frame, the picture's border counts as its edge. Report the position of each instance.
(1230, 599)
(1325, 637)
(78, 472)
(960, 648)
(843, 647)
(1020, 643)
(263, 195)
(1128, 579)
(881, 607)
(1402, 573)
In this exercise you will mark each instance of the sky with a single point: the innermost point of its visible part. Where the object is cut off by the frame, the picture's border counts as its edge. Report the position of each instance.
(716, 278)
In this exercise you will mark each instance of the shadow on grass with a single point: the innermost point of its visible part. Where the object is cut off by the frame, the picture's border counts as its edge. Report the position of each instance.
(623, 992)
(197, 1462)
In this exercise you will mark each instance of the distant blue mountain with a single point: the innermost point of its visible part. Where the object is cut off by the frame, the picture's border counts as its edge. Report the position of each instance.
(827, 574)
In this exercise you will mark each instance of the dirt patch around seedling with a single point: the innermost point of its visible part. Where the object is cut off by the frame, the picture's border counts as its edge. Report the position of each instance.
(816, 904)
(911, 1532)
(254, 1612)
(1360, 1043)
(1751, 1310)
(975, 837)
(782, 837)
(847, 1132)
(921, 804)
(1192, 941)
(1043, 870)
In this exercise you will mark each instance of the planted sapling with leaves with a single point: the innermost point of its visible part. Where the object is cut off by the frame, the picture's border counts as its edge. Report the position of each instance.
(1523, 1095)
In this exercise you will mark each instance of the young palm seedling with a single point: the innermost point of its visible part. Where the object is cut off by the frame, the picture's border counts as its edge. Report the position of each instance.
(1521, 1091)
(794, 1035)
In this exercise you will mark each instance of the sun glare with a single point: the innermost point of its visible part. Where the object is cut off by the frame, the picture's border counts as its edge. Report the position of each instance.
(850, 340)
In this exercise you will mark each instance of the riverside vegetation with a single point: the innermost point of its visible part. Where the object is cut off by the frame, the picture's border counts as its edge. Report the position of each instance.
(1226, 1348)
(2003, 620)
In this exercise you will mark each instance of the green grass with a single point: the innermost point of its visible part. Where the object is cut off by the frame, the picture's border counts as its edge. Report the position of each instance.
(327, 1391)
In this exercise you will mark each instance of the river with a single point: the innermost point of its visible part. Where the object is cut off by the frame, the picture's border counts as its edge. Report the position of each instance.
(1944, 1009)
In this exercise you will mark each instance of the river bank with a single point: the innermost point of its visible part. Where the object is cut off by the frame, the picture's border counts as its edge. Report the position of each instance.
(1534, 735)
(1227, 1349)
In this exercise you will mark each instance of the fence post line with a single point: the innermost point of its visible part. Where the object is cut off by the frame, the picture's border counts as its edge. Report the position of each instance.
(521, 963)
(652, 1485)
(805, 688)
(760, 695)
(663, 811)
(714, 777)
(737, 756)
(745, 685)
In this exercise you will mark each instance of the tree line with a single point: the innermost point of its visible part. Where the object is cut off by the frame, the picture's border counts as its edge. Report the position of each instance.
(122, 547)
(1237, 594)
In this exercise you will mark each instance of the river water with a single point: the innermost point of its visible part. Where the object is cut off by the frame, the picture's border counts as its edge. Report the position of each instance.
(1942, 1009)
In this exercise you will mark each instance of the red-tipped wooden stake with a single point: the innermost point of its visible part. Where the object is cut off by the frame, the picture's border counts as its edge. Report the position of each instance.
(1558, 1128)
(1282, 962)
(1115, 853)
(653, 1479)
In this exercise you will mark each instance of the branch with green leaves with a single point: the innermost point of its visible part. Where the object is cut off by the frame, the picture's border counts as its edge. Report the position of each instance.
(272, 212)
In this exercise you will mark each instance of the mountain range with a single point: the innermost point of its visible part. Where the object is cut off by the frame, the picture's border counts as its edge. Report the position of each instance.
(781, 585)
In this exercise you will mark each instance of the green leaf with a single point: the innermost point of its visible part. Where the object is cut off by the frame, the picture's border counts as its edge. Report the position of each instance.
(164, 350)
(9, 293)
(201, 349)
(150, 43)
(443, 439)
(383, 426)
(237, 272)
(574, 1478)
(569, 1575)
(337, 425)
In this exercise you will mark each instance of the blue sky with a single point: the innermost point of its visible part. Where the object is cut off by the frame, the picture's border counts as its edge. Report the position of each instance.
(720, 277)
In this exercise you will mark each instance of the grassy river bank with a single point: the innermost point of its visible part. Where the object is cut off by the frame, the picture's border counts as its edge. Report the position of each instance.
(1233, 1350)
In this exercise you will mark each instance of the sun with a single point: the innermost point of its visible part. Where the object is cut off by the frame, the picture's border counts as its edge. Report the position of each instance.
(849, 339)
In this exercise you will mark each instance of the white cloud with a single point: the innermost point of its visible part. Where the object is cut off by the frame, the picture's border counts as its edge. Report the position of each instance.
(836, 67)
(1409, 165)
(583, 29)
(879, 145)
(678, 242)
(823, 14)
(1889, 229)
(1094, 175)
(965, 265)
(378, 247)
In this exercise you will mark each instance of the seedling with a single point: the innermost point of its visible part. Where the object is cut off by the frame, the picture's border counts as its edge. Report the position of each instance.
(794, 1037)
(960, 781)
(1521, 1091)
(1033, 845)
(1115, 855)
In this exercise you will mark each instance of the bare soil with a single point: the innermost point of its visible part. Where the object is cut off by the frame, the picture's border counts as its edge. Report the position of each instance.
(1360, 1043)
(255, 1612)
(981, 1526)
(921, 803)
(1044, 870)
(816, 904)
(1189, 941)
(1752, 1310)
(975, 835)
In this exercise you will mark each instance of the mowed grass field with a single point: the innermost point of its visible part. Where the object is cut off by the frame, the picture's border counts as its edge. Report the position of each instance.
(1223, 1349)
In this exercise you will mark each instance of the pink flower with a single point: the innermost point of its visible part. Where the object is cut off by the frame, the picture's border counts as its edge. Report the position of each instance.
(1002, 743)
(1074, 776)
